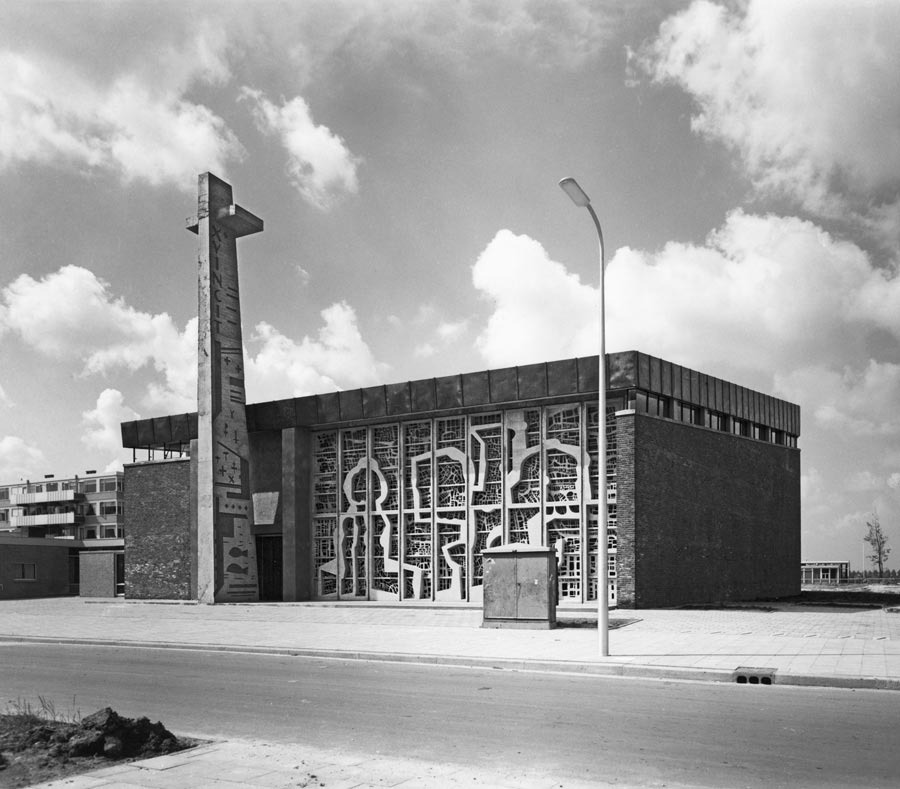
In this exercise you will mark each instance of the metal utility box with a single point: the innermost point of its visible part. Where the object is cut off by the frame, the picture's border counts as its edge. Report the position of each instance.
(520, 587)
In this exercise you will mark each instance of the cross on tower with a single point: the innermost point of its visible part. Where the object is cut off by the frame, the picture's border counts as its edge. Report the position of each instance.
(222, 427)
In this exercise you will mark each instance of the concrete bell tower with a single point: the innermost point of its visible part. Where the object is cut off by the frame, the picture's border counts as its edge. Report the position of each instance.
(226, 550)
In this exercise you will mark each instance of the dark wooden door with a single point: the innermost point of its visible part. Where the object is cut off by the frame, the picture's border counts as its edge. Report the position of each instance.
(268, 562)
(120, 574)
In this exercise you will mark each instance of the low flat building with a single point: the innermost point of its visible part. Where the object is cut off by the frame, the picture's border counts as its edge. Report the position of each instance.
(54, 531)
(824, 572)
(49, 567)
(394, 492)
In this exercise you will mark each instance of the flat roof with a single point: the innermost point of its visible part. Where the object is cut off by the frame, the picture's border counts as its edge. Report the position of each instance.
(556, 381)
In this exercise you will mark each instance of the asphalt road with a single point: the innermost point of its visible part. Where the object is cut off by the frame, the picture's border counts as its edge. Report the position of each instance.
(604, 729)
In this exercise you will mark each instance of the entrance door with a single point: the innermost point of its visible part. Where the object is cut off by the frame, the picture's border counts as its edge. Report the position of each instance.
(268, 562)
(74, 570)
(120, 574)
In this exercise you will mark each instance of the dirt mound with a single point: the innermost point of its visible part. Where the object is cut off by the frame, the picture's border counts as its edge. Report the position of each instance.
(33, 749)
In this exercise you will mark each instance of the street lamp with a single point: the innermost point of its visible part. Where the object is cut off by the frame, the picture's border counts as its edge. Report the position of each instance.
(573, 190)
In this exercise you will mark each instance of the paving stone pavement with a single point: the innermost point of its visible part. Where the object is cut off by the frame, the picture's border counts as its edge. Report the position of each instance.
(800, 645)
(256, 765)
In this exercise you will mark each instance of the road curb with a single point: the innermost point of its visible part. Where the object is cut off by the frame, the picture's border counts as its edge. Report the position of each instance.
(850, 683)
(607, 669)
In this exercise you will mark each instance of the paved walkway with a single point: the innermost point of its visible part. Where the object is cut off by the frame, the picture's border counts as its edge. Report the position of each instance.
(840, 647)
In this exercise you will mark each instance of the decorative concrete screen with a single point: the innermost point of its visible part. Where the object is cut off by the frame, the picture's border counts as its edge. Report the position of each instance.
(406, 510)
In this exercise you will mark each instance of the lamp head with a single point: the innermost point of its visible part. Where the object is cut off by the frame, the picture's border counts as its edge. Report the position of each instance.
(575, 192)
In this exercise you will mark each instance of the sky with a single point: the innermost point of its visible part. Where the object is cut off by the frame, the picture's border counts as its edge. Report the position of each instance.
(743, 158)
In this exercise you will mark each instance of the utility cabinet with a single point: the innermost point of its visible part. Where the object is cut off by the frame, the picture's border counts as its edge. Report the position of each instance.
(520, 587)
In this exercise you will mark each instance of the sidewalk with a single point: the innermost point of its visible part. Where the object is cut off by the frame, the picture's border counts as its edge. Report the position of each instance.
(257, 765)
(793, 645)
(801, 645)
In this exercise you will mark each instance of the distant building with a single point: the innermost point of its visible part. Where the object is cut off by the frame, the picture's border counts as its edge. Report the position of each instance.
(82, 508)
(62, 536)
(394, 492)
(824, 572)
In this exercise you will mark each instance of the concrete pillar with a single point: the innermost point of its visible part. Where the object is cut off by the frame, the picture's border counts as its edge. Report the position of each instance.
(296, 451)
(226, 550)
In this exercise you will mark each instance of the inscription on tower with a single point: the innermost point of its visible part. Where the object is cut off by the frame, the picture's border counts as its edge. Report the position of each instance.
(226, 551)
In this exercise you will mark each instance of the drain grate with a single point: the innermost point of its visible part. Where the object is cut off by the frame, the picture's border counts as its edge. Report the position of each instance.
(754, 676)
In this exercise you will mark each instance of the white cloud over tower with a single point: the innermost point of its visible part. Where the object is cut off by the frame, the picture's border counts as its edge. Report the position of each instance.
(320, 165)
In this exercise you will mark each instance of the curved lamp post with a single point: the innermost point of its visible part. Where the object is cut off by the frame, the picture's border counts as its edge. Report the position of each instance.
(573, 190)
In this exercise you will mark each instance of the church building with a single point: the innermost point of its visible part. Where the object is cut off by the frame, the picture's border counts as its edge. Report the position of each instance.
(395, 492)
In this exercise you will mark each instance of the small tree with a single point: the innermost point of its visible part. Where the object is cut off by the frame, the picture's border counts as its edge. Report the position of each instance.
(877, 540)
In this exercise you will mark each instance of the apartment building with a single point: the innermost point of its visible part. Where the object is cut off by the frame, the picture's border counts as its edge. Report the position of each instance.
(61, 536)
(90, 507)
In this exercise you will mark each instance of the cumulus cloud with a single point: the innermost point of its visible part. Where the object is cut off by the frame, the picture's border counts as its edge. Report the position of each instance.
(556, 35)
(540, 310)
(338, 358)
(5, 400)
(19, 460)
(763, 292)
(102, 423)
(772, 302)
(319, 163)
(851, 401)
(811, 484)
(864, 481)
(450, 331)
(436, 332)
(71, 313)
(442, 336)
(776, 302)
(805, 92)
(138, 125)
(174, 354)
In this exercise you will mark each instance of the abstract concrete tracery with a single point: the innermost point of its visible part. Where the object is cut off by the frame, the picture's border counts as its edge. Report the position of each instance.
(437, 493)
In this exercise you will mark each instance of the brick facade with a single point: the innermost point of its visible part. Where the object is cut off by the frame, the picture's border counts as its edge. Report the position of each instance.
(98, 574)
(625, 578)
(46, 568)
(158, 536)
(709, 516)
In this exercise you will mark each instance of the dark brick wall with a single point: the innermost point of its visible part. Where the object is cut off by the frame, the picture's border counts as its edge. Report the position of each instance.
(296, 454)
(717, 517)
(51, 567)
(625, 510)
(158, 530)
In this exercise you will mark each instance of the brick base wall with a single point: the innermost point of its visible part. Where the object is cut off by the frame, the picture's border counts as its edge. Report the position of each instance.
(625, 511)
(158, 530)
(714, 517)
(51, 565)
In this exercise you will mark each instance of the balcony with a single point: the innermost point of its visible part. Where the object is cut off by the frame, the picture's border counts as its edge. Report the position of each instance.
(51, 519)
(43, 498)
